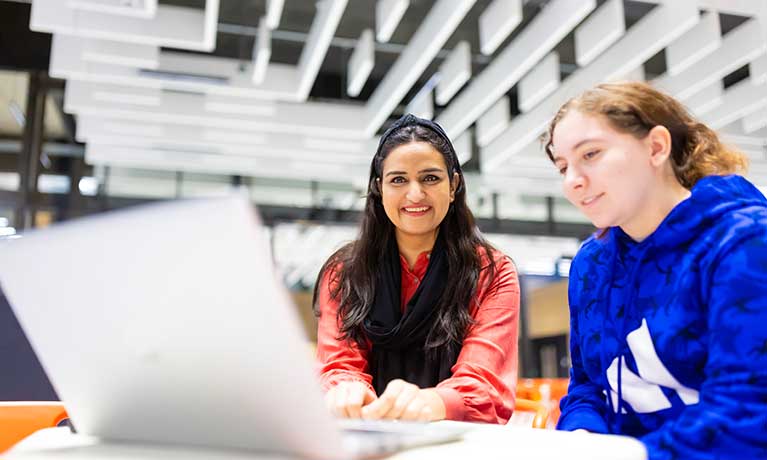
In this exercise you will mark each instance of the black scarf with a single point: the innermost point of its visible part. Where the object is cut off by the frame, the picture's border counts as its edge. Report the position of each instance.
(398, 340)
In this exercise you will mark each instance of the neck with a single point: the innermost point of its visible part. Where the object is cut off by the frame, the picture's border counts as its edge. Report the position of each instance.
(659, 204)
(411, 246)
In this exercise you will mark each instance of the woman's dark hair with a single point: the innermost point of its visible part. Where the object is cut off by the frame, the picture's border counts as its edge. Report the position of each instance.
(352, 269)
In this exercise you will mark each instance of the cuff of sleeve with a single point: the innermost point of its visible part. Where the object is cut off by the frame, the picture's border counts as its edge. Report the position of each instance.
(329, 382)
(587, 420)
(454, 407)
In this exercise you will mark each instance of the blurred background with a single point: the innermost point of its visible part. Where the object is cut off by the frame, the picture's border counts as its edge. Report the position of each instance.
(111, 103)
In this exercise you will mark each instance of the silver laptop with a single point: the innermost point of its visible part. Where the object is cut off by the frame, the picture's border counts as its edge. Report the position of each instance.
(166, 324)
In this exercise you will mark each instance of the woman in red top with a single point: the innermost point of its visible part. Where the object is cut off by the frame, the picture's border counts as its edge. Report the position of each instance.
(418, 317)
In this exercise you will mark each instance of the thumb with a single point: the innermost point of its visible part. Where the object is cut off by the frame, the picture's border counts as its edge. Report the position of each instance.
(370, 396)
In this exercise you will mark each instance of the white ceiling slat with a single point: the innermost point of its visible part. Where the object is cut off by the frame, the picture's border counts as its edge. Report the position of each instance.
(539, 83)
(651, 34)
(740, 99)
(706, 99)
(171, 26)
(323, 28)
(454, 72)
(550, 26)
(262, 52)
(463, 147)
(137, 8)
(758, 68)
(493, 122)
(422, 104)
(696, 44)
(427, 41)
(599, 31)
(755, 121)
(273, 13)
(121, 53)
(311, 118)
(498, 20)
(360, 63)
(388, 15)
(738, 48)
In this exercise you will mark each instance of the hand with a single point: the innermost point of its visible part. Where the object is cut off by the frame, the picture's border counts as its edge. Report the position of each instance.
(347, 398)
(404, 401)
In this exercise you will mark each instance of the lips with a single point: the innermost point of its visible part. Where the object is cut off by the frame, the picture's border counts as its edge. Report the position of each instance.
(416, 210)
(589, 201)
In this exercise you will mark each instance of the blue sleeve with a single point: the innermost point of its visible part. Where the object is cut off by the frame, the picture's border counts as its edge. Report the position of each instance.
(584, 407)
(730, 421)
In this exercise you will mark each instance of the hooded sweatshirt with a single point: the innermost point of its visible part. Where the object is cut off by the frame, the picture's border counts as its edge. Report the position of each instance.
(669, 335)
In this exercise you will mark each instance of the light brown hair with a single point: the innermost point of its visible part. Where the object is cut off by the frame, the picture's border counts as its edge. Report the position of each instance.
(635, 108)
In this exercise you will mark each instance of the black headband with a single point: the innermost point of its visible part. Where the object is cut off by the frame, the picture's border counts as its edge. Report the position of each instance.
(412, 120)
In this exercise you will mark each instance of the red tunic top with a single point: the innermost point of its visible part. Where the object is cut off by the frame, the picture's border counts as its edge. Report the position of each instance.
(481, 388)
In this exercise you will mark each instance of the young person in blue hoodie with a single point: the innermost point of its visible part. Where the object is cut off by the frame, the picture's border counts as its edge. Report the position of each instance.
(668, 301)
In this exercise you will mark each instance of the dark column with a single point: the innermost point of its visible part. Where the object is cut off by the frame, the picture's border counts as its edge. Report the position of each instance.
(31, 148)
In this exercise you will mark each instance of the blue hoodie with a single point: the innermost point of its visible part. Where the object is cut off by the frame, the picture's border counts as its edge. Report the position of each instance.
(669, 336)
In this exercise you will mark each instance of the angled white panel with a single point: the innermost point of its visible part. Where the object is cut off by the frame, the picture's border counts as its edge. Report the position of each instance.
(494, 121)
(171, 26)
(755, 121)
(739, 100)
(427, 41)
(388, 15)
(463, 147)
(196, 161)
(262, 52)
(691, 47)
(599, 31)
(273, 13)
(236, 105)
(422, 105)
(539, 83)
(150, 97)
(323, 28)
(632, 75)
(360, 63)
(120, 53)
(737, 7)
(706, 99)
(739, 47)
(454, 72)
(549, 27)
(311, 118)
(651, 34)
(498, 20)
(137, 8)
(758, 67)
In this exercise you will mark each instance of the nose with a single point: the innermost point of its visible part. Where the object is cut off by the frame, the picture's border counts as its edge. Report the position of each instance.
(574, 179)
(415, 192)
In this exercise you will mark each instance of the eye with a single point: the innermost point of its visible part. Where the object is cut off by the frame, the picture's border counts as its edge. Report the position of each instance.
(591, 154)
(398, 180)
(562, 170)
(431, 178)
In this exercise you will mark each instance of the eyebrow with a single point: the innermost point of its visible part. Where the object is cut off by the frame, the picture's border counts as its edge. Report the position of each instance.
(423, 171)
(584, 141)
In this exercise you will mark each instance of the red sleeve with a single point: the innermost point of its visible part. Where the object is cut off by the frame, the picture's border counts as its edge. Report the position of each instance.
(338, 360)
(481, 388)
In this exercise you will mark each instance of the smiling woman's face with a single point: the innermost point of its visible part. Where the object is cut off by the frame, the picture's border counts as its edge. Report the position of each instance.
(416, 189)
(606, 174)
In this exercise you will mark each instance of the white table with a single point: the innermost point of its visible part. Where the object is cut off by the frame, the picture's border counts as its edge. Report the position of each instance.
(482, 442)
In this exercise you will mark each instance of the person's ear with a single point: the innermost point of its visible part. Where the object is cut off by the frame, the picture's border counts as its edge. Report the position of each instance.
(659, 143)
(454, 183)
(375, 186)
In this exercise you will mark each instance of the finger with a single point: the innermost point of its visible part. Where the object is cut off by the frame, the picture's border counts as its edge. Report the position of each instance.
(339, 404)
(384, 403)
(426, 414)
(355, 400)
(406, 396)
(413, 410)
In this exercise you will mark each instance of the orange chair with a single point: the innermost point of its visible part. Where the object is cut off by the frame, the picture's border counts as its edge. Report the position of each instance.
(550, 391)
(538, 408)
(20, 419)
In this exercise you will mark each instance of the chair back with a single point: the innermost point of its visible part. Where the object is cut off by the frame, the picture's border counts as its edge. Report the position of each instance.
(20, 419)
